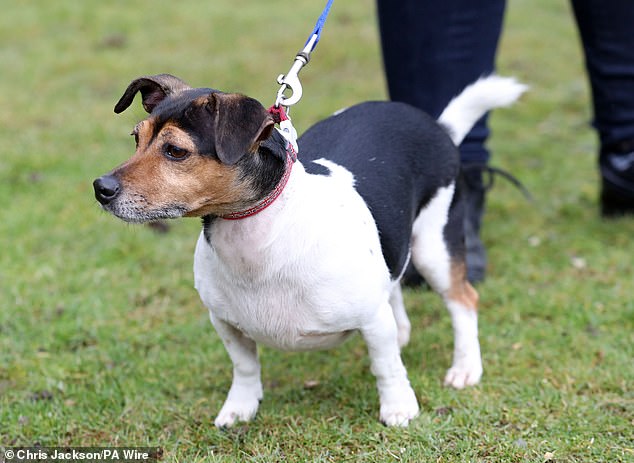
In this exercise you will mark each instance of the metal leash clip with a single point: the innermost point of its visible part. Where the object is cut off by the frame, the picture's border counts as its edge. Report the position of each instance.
(291, 79)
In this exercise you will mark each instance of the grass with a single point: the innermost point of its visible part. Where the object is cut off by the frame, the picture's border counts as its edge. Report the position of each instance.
(103, 340)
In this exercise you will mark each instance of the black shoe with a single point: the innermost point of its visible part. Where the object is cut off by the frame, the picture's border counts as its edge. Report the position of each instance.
(478, 179)
(616, 163)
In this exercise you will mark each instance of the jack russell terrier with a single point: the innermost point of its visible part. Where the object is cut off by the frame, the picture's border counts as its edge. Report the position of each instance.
(298, 254)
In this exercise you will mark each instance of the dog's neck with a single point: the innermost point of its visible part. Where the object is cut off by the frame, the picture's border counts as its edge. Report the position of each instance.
(273, 194)
(270, 177)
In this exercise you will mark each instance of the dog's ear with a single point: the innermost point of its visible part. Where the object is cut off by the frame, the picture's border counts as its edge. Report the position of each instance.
(153, 90)
(240, 124)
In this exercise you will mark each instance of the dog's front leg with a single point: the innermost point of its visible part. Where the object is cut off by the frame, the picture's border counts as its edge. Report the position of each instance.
(245, 394)
(398, 401)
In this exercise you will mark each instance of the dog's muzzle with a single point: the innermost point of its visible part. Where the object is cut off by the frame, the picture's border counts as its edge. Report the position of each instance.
(107, 188)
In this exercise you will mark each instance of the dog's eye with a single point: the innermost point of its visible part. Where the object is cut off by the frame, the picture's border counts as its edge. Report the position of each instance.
(174, 152)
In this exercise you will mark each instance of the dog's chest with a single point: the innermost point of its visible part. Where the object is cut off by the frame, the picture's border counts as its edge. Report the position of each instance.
(302, 276)
(279, 309)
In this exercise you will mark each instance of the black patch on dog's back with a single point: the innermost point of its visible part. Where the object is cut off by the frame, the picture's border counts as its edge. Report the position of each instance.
(399, 157)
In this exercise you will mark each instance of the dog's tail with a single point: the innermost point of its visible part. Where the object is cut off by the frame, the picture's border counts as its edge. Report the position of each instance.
(475, 100)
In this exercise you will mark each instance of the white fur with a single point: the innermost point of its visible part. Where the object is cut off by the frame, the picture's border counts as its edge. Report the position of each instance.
(466, 368)
(475, 100)
(403, 324)
(340, 111)
(429, 251)
(302, 274)
(246, 391)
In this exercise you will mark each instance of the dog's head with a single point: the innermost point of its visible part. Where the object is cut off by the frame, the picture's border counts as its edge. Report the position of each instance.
(197, 153)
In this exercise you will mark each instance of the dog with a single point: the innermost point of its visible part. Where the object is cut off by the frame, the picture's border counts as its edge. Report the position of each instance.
(298, 254)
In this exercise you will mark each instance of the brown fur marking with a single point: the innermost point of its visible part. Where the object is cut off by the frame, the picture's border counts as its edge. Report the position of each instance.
(201, 184)
(460, 289)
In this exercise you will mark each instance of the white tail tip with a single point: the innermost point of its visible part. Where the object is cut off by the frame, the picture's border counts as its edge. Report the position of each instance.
(475, 100)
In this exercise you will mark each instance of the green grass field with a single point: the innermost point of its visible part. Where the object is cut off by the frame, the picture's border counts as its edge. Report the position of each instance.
(103, 340)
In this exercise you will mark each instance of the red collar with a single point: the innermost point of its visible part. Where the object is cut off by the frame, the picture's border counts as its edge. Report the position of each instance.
(291, 157)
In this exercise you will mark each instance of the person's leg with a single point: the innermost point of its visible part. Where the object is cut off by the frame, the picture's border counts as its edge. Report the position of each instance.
(607, 37)
(431, 51)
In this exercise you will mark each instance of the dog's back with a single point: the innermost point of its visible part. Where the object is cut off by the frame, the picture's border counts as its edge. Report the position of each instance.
(385, 144)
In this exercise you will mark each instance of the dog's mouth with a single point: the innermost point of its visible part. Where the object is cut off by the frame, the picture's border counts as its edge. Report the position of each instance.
(134, 213)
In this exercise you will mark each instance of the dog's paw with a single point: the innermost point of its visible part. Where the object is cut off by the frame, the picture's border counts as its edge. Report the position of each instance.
(241, 404)
(400, 409)
(464, 374)
(234, 411)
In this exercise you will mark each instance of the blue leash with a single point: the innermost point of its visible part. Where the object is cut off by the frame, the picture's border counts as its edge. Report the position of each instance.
(320, 24)
(291, 79)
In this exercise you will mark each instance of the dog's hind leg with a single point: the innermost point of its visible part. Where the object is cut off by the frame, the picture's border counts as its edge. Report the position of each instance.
(397, 399)
(246, 388)
(462, 300)
(438, 254)
(403, 325)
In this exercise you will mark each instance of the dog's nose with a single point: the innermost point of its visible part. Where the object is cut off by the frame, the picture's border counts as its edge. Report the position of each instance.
(106, 188)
